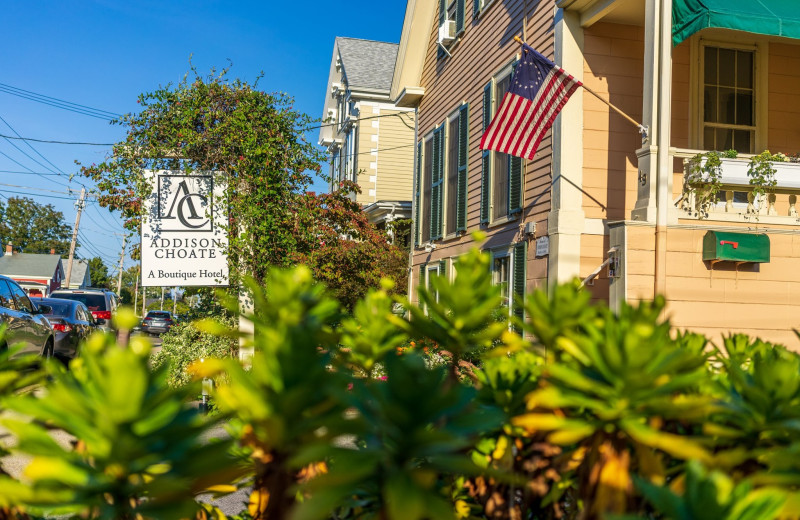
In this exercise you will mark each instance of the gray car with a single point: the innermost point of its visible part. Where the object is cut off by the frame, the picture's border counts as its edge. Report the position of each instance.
(25, 321)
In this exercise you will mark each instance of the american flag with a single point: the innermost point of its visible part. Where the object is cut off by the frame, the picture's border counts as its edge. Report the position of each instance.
(539, 90)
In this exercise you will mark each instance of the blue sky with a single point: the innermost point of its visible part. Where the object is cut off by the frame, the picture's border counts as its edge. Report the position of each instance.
(104, 53)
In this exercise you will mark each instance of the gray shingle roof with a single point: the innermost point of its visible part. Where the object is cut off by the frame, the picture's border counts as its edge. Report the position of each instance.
(78, 272)
(21, 264)
(367, 64)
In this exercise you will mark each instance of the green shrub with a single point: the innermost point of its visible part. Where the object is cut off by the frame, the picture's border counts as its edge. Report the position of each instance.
(185, 343)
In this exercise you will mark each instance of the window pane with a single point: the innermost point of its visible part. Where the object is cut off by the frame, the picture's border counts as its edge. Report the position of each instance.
(6, 300)
(743, 141)
(500, 274)
(452, 175)
(708, 139)
(425, 211)
(501, 89)
(727, 67)
(710, 104)
(744, 69)
(500, 186)
(727, 106)
(724, 139)
(710, 66)
(744, 108)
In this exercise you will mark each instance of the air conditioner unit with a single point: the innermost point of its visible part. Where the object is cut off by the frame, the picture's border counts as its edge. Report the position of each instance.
(447, 32)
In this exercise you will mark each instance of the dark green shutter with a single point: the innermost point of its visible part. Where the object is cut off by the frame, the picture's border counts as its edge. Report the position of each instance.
(443, 268)
(418, 175)
(486, 155)
(459, 16)
(514, 185)
(440, 211)
(436, 183)
(461, 190)
(519, 282)
(423, 271)
(476, 8)
(442, 11)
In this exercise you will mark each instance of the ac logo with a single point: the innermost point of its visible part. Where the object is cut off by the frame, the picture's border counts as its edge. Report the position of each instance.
(184, 202)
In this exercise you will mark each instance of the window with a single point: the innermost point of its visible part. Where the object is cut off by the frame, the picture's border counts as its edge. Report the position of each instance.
(428, 271)
(480, 5)
(456, 182)
(23, 302)
(427, 174)
(451, 10)
(6, 298)
(508, 271)
(501, 176)
(728, 99)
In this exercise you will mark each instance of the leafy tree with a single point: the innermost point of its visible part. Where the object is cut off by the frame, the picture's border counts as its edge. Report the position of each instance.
(33, 227)
(216, 124)
(98, 271)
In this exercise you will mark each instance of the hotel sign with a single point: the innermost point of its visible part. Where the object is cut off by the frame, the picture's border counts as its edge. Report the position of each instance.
(184, 240)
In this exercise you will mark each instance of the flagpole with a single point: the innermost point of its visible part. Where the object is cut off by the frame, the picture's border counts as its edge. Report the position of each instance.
(641, 127)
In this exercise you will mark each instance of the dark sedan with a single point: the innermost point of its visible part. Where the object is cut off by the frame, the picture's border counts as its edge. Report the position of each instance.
(72, 323)
(158, 322)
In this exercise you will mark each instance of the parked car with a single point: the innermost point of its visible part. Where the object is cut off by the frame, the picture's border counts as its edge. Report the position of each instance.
(72, 323)
(158, 322)
(25, 321)
(100, 302)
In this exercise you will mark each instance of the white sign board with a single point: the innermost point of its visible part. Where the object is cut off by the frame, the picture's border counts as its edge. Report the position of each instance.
(184, 240)
(542, 246)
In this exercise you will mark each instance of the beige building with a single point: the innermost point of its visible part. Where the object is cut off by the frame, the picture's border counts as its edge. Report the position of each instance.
(601, 201)
(370, 140)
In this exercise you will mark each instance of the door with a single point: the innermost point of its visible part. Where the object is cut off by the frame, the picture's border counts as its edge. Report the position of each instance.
(18, 322)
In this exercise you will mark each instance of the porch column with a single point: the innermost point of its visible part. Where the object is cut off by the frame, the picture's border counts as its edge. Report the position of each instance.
(655, 166)
(565, 222)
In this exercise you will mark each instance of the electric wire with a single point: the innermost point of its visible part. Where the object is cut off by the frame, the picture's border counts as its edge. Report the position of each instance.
(58, 103)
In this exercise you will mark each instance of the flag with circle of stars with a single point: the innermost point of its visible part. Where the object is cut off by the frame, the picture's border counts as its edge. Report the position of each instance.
(538, 91)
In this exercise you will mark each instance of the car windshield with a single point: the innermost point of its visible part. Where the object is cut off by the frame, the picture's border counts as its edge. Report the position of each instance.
(94, 302)
(160, 315)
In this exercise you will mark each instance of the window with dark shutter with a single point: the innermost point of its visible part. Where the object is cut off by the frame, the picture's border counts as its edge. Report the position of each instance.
(518, 279)
(437, 184)
(459, 16)
(514, 185)
(417, 194)
(501, 167)
(451, 187)
(486, 154)
(427, 173)
(461, 188)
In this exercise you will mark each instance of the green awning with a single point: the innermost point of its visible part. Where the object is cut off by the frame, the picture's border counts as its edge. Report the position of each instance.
(771, 17)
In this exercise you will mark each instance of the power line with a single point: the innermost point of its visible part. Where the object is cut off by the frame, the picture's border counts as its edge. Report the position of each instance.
(58, 103)
(323, 125)
(36, 195)
(55, 142)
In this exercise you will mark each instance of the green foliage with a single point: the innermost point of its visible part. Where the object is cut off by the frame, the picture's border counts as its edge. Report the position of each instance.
(99, 273)
(33, 228)
(140, 449)
(762, 173)
(214, 123)
(704, 175)
(185, 344)
(341, 413)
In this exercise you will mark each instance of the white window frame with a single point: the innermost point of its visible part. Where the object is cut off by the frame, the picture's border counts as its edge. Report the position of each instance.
(760, 48)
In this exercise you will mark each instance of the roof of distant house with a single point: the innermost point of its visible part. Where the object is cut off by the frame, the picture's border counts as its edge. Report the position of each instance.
(29, 264)
(78, 271)
(367, 64)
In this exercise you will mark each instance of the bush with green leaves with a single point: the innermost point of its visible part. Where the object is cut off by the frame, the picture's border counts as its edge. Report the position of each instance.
(185, 343)
(590, 414)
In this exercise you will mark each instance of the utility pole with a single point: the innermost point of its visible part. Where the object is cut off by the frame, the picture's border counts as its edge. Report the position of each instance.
(174, 301)
(136, 291)
(121, 262)
(144, 301)
(162, 298)
(80, 204)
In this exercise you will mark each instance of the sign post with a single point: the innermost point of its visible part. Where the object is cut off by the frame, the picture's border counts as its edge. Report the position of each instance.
(184, 238)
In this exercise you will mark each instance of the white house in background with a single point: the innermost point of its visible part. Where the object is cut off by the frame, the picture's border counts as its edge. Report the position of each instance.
(80, 278)
(368, 138)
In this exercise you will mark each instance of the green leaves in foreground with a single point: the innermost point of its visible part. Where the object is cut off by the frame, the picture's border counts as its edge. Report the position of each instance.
(140, 451)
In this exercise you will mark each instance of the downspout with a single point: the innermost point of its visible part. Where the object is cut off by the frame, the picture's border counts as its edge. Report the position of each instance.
(412, 234)
(664, 131)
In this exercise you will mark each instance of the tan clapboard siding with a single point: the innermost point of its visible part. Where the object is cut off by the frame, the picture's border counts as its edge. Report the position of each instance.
(395, 156)
(784, 98)
(755, 299)
(486, 47)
